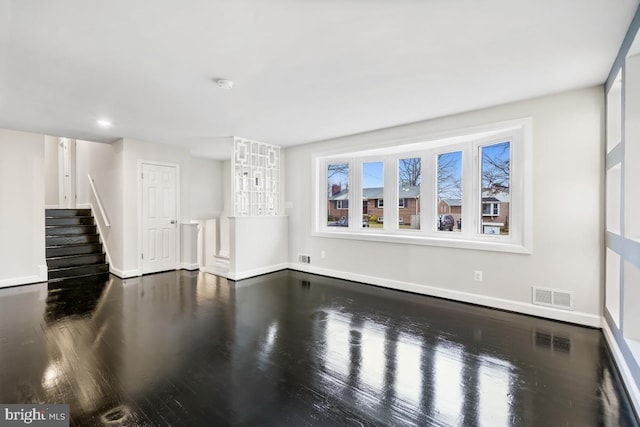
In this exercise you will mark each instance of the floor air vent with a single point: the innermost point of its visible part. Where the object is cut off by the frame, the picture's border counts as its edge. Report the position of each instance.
(552, 298)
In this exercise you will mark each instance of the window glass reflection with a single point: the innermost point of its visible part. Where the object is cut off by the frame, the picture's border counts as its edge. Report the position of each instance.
(448, 383)
(337, 344)
(373, 355)
(409, 371)
(494, 385)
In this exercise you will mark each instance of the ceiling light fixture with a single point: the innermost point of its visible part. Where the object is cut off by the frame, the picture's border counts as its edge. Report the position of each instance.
(224, 84)
(103, 123)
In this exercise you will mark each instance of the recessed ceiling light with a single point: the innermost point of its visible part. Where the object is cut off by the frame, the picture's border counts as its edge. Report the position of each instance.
(103, 123)
(225, 84)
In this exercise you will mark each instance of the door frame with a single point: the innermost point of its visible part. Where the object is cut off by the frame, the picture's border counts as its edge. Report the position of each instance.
(141, 219)
(67, 157)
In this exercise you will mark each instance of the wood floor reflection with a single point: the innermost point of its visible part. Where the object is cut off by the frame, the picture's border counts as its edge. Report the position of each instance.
(289, 348)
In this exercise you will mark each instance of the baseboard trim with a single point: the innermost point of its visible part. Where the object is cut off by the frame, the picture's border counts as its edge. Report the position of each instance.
(239, 275)
(580, 318)
(627, 378)
(189, 266)
(42, 276)
(124, 274)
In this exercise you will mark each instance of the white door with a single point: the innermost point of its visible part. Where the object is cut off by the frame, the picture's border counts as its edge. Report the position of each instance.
(159, 218)
(67, 173)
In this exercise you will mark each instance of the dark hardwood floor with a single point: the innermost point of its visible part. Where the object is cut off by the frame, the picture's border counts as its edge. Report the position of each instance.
(191, 349)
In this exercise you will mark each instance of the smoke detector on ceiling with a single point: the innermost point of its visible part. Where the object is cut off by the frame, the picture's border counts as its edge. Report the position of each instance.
(224, 84)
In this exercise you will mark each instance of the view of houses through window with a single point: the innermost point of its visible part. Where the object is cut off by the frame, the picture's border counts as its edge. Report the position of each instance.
(450, 191)
(458, 187)
(409, 180)
(372, 194)
(338, 189)
(496, 179)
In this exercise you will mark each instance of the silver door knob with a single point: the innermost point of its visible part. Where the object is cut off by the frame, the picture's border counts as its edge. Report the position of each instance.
(173, 221)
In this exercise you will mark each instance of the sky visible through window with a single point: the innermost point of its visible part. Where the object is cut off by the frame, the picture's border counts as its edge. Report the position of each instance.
(372, 175)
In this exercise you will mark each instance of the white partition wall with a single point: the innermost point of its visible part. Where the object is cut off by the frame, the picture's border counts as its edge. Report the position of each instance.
(622, 277)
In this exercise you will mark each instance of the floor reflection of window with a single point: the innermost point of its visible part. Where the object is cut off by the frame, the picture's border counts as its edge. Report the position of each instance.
(337, 348)
(409, 373)
(494, 383)
(373, 356)
(267, 345)
(448, 383)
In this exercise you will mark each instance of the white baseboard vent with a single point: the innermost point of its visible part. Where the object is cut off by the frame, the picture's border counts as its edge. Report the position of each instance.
(552, 297)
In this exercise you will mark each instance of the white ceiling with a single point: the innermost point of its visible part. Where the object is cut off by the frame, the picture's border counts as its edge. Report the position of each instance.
(303, 70)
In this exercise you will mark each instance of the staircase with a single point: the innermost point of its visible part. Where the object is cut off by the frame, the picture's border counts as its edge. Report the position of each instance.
(73, 245)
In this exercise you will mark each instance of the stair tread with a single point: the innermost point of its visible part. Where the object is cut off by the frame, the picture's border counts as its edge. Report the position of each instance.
(72, 245)
(73, 256)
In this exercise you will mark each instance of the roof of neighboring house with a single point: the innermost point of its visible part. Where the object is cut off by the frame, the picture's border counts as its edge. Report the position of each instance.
(378, 193)
(453, 202)
(497, 196)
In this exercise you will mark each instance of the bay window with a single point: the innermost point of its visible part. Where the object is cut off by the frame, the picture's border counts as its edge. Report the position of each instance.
(468, 189)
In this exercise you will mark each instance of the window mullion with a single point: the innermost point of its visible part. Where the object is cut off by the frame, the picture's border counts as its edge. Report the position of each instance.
(429, 189)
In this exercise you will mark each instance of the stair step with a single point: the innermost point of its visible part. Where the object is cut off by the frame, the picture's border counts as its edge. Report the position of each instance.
(74, 220)
(62, 250)
(75, 260)
(56, 274)
(61, 213)
(69, 229)
(74, 239)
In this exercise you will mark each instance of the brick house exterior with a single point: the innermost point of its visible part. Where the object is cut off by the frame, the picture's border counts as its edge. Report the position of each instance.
(495, 207)
(373, 203)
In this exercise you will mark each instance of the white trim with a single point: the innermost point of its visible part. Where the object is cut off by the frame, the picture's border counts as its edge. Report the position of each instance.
(42, 276)
(628, 380)
(51, 206)
(83, 206)
(124, 274)
(140, 219)
(453, 240)
(580, 318)
(96, 196)
(239, 275)
(189, 266)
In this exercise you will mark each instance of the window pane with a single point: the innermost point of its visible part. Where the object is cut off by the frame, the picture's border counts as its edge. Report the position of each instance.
(496, 182)
(338, 194)
(450, 191)
(409, 180)
(372, 192)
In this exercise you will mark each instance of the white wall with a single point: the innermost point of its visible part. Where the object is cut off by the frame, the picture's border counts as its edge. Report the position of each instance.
(567, 253)
(22, 173)
(258, 245)
(51, 170)
(83, 168)
(104, 163)
(205, 188)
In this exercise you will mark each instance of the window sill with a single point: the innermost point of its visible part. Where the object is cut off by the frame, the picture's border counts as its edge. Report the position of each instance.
(413, 238)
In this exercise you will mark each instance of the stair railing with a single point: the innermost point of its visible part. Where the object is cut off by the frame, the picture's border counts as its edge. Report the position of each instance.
(103, 213)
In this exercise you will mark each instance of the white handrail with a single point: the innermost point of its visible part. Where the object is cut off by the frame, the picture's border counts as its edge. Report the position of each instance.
(105, 219)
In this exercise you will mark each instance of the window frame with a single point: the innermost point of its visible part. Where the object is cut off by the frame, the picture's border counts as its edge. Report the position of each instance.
(470, 141)
(493, 204)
